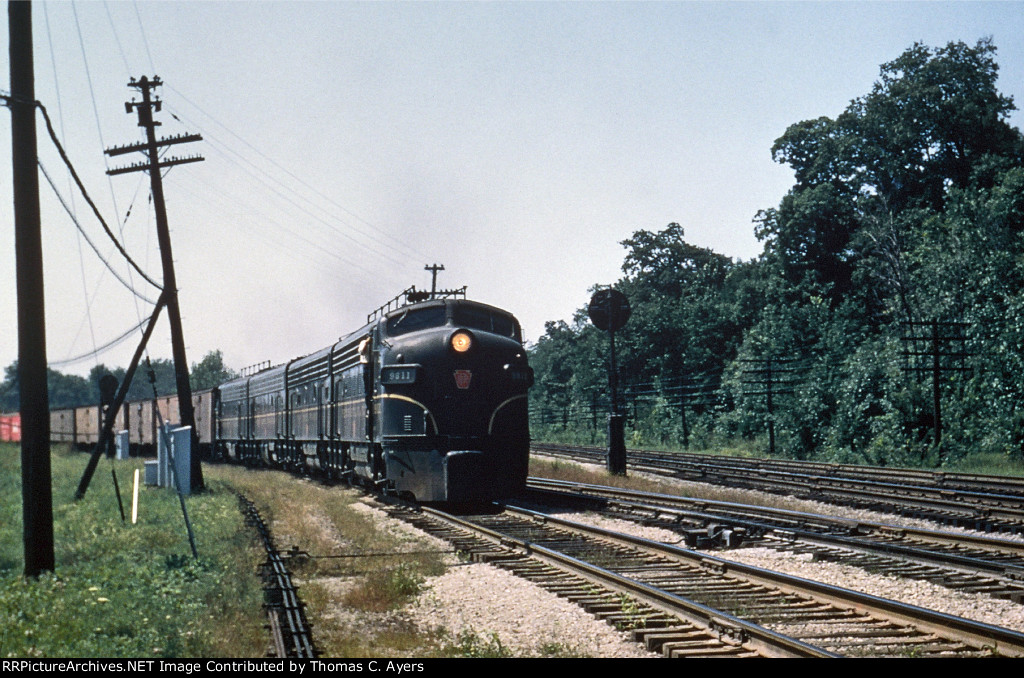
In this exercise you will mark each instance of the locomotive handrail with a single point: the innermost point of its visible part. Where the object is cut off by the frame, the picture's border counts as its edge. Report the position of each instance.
(390, 304)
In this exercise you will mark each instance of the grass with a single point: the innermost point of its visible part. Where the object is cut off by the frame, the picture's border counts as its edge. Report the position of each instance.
(123, 590)
(471, 645)
(989, 464)
(356, 575)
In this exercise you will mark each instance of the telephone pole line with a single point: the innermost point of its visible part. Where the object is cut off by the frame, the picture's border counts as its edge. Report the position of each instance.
(773, 379)
(153, 165)
(943, 333)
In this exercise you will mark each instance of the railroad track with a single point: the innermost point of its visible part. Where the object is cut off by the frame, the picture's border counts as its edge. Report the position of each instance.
(685, 603)
(985, 503)
(974, 564)
(289, 629)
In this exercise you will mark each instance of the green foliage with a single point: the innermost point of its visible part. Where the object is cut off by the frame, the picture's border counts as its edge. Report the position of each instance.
(65, 390)
(74, 391)
(210, 371)
(469, 644)
(123, 590)
(386, 588)
(907, 207)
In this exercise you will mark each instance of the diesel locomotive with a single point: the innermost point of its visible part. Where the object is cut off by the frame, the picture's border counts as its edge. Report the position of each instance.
(428, 400)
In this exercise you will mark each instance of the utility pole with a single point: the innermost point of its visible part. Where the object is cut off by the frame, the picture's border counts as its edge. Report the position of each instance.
(36, 492)
(769, 377)
(433, 282)
(153, 165)
(941, 333)
(684, 396)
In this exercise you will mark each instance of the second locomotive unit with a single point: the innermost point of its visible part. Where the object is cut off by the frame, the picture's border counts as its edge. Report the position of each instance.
(428, 400)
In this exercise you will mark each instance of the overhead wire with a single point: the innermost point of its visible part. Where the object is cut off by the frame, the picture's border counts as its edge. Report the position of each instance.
(280, 182)
(318, 246)
(81, 233)
(279, 189)
(117, 39)
(99, 127)
(63, 135)
(142, 32)
(215, 199)
(100, 349)
(88, 199)
(88, 240)
(377, 235)
(391, 246)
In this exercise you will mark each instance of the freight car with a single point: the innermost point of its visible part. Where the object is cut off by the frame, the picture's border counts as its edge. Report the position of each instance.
(10, 428)
(80, 426)
(427, 400)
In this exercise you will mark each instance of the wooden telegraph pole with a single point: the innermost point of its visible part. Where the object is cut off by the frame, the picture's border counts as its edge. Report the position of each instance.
(433, 281)
(36, 493)
(153, 165)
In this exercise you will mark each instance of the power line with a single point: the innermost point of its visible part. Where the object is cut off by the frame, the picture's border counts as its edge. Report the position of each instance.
(81, 230)
(63, 135)
(292, 198)
(88, 199)
(142, 32)
(100, 349)
(377, 235)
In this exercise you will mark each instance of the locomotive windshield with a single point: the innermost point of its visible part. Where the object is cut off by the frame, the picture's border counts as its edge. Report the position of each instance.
(487, 320)
(462, 315)
(416, 319)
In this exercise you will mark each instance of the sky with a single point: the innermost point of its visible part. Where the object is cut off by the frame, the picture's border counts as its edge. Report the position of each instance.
(347, 145)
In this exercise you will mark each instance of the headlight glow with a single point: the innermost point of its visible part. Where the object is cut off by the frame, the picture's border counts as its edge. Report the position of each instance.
(461, 342)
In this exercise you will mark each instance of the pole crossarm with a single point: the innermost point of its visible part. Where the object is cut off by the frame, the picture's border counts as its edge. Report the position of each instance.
(141, 147)
(146, 166)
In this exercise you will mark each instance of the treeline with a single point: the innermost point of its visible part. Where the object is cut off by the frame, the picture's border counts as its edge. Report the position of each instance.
(892, 278)
(73, 391)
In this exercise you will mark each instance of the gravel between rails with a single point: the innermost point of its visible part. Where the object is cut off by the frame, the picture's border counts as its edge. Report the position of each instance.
(527, 621)
(493, 605)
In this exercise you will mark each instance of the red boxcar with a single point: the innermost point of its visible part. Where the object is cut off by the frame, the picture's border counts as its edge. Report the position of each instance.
(10, 428)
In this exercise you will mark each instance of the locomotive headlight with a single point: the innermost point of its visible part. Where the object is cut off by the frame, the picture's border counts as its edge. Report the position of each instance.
(461, 341)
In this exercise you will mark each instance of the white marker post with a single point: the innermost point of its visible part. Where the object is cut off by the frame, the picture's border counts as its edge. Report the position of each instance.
(135, 498)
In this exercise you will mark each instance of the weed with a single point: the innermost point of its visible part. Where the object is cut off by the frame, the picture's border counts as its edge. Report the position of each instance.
(559, 650)
(469, 644)
(635, 618)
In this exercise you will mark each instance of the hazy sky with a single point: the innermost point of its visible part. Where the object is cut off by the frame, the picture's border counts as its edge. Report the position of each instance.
(349, 144)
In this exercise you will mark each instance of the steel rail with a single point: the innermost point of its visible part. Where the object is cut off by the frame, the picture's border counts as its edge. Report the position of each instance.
(938, 479)
(740, 631)
(785, 518)
(976, 634)
(981, 510)
(289, 629)
(1000, 575)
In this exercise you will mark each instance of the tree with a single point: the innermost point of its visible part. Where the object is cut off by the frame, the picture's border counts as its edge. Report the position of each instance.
(908, 206)
(65, 390)
(210, 371)
(933, 122)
